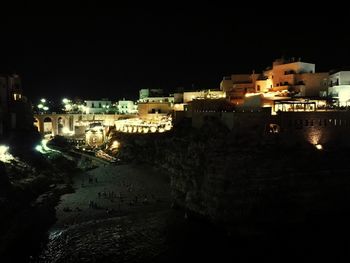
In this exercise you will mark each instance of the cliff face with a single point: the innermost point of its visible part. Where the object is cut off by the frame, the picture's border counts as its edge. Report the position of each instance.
(230, 180)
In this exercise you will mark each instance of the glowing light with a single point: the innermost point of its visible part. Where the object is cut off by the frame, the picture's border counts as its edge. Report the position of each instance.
(65, 100)
(319, 147)
(136, 125)
(5, 156)
(46, 108)
(44, 144)
(43, 100)
(252, 94)
(40, 106)
(3, 149)
(68, 107)
(115, 145)
(39, 148)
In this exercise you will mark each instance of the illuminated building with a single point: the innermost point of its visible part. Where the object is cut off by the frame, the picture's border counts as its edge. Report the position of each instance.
(127, 107)
(339, 87)
(285, 78)
(97, 106)
(95, 135)
(15, 110)
(203, 94)
(152, 106)
(136, 125)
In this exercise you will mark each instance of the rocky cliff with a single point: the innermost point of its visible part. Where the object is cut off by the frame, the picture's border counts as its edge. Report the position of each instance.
(240, 179)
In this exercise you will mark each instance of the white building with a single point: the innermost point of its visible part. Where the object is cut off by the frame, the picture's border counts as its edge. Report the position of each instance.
(339, 87)
(127, 107)
(97, 106)
(203, 94)
(286, 77)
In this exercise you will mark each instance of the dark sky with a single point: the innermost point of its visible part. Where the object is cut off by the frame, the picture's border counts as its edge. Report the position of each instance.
(113, 52)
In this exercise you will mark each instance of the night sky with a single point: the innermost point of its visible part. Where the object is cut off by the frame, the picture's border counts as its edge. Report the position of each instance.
(102, 51)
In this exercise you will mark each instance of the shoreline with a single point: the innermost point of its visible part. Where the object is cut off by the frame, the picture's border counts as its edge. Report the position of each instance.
(115, 190)
(122, 194)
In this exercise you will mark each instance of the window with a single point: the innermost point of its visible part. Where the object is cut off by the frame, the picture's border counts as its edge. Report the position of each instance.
(99, 105)
(258, 88)
(92, 105)
(17, 96)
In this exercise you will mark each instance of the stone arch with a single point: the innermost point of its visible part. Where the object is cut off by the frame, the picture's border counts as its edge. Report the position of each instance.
(37, 124)
(60, 125)
(48, 126)
(274, 128)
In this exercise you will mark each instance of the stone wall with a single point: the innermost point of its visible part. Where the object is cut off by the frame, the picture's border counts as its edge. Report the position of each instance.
(326, 128)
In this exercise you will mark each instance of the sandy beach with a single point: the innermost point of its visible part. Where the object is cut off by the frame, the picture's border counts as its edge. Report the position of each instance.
(123, 214)
(117, 213)
(113, 190)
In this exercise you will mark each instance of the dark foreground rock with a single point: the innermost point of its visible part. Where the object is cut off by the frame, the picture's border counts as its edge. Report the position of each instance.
(30, 189)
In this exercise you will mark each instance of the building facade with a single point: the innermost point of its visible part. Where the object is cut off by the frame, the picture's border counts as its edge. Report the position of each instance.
(127, 107)
(97, 106)
(286, 77)
(15, 110)
(339, 87)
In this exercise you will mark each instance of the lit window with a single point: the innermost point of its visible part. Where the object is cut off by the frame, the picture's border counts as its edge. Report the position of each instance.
(17, 96)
